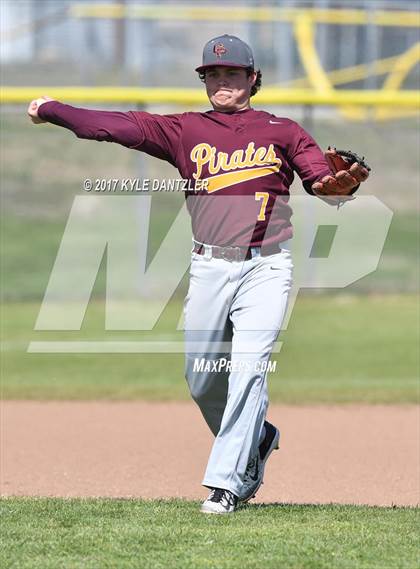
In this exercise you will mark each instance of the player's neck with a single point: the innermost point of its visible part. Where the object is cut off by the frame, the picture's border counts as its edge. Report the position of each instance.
(232, 109)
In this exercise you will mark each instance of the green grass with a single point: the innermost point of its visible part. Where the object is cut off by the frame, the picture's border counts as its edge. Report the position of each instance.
(337, 349)
(29, 247)
(104, 533)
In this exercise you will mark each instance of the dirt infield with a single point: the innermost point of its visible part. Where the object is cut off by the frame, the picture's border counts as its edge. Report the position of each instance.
(349, 454)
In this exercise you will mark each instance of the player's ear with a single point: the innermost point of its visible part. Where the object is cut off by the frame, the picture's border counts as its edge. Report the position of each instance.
(252, 78)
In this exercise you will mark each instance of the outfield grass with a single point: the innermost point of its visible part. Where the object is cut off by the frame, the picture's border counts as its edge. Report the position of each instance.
(103, 533)
(29, 247)
(336, 349)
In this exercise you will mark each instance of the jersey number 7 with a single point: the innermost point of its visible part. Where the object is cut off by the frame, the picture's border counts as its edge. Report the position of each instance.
(264, 197)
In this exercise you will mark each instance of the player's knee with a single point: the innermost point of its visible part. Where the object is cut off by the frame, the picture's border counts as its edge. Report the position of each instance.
(197, 379)
(198, 389)
(201, 386)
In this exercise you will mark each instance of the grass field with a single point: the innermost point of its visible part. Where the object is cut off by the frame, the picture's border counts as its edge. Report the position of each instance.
(336, 349)
(123, 534)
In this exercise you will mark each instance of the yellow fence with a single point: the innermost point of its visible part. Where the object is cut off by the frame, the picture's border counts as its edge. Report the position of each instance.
(304, 22)
(270, 96)
(217, 12)
(316, 88)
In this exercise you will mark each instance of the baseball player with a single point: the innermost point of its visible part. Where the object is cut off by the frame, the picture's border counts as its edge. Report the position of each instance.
(241, 266)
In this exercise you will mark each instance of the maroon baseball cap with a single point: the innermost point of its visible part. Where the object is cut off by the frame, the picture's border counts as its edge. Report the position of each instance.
(226, 50)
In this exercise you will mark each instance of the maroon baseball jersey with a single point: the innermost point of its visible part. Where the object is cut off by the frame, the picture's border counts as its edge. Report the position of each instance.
(245, 160)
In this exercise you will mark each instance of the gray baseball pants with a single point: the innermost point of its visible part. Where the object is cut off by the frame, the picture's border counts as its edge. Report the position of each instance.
(232, 316)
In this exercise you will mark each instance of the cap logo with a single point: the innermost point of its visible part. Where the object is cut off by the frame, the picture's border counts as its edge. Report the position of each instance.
(219, 49)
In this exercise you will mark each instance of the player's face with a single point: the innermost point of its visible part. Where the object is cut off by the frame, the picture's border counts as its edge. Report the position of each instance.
(229, 88)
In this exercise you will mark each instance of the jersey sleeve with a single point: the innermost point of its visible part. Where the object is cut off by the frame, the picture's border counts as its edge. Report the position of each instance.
(157, 135)
(307, 158)
(161, 135)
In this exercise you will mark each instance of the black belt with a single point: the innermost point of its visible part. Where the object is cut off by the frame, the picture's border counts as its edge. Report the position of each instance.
(236, 253)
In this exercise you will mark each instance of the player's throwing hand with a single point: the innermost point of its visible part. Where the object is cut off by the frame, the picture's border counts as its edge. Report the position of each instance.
(34, 106)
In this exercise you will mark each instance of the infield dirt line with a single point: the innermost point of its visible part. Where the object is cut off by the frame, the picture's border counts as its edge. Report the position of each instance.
(353, 454)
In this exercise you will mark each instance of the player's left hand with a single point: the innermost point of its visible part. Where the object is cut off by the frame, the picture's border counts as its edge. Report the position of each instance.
(348, 170)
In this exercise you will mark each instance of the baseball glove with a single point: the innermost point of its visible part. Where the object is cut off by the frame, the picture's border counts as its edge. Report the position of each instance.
(348, 170)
